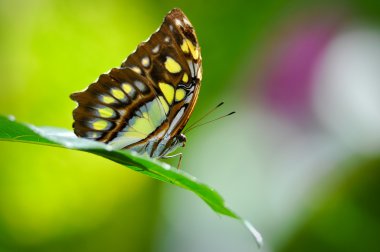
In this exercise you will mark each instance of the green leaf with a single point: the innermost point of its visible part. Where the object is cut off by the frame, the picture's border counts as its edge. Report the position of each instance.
(10, 130)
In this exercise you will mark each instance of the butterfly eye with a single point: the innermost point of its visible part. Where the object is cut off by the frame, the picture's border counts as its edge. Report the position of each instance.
(182, 138)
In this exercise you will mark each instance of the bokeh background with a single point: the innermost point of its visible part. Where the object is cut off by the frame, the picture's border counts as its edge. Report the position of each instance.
(300, 159)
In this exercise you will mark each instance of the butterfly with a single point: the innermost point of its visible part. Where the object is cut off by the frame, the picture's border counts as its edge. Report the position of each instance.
(144, 104)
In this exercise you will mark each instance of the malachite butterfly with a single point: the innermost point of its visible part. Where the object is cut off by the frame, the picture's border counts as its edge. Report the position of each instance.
(144, 104)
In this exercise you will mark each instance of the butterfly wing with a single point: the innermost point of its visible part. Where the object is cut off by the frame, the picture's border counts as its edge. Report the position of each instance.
(171, 59)
(152, 94)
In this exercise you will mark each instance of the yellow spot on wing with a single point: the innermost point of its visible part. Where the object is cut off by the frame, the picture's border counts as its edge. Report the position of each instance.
(185, 78)
(194, 51)
(180, 94)
(184, 47)
(100, 125)
(127, 87)
(172, 66)
(195, 54)
(164, 104)
(106, 112)
(118, 93)
(107, 99)
(136, 69)
(145, 61)
(167, 90)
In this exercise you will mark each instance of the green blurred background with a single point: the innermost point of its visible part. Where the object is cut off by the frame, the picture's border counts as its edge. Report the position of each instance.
(300, 159)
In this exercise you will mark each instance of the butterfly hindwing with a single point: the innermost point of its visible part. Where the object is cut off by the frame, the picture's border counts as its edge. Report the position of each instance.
(107, 102)
(151, 95)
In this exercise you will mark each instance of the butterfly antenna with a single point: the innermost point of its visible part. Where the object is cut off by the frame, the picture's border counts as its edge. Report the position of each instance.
(213, 120)
(202, 117)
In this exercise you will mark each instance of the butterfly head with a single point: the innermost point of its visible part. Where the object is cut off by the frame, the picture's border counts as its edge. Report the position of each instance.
(180, 140)
(175, 142)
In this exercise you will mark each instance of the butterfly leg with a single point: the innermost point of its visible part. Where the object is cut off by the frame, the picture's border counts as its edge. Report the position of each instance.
(175, 155)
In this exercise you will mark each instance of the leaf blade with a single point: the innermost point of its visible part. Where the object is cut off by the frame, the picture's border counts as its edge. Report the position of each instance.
(10, 130)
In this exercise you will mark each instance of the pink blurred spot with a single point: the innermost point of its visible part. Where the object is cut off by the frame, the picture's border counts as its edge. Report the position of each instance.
(288, 78)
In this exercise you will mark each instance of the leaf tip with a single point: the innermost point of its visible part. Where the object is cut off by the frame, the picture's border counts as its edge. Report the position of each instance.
(256, 234)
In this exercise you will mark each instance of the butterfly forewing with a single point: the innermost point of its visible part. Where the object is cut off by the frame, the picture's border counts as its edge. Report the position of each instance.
(150, 97)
